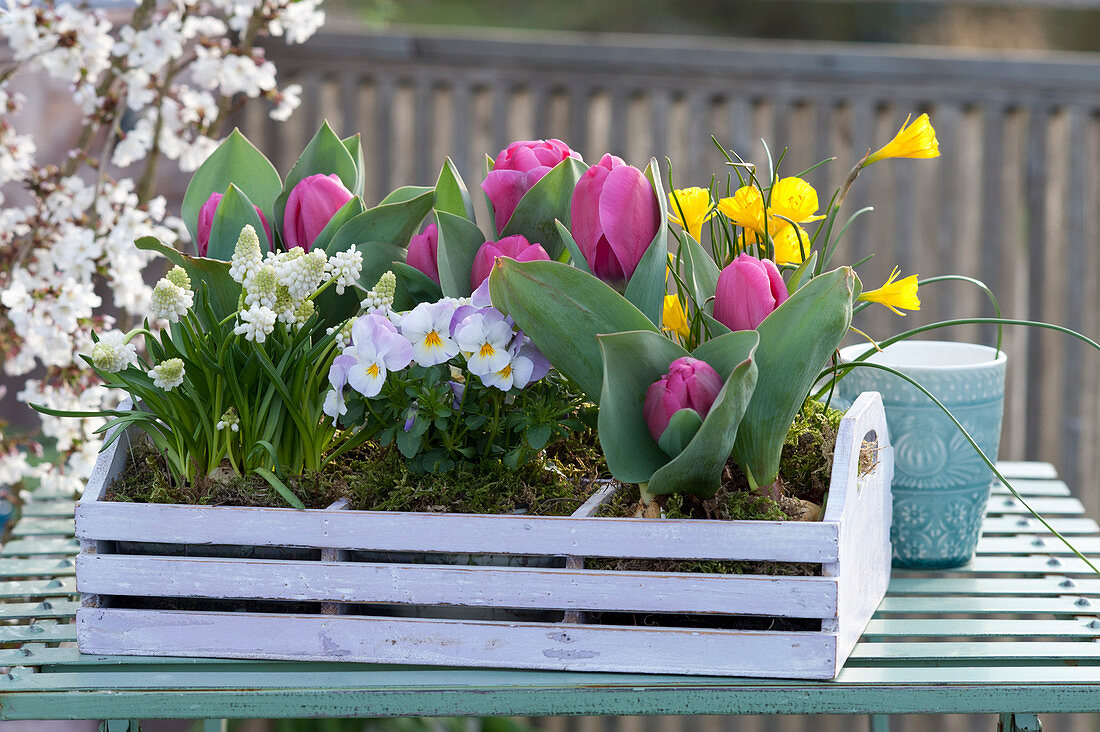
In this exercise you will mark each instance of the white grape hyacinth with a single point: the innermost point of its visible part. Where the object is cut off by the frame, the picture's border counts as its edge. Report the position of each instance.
(256, 323)
(344, 268)
(112, 352)
(170, 301)
(246, 260)
(167, 374)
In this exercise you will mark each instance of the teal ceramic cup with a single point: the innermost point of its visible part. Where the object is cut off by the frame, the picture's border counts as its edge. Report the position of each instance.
(941, 485)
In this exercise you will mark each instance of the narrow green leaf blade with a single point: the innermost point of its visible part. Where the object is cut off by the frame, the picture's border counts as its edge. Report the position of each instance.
(570, 243)
(354, 145)
(234, 213)
(700, 271)
(451, 194)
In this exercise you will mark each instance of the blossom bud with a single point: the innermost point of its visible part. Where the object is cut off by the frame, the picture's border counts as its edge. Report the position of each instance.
(516, 247)
(517, 169)
(614, 217)
(310, 206)
(689, 384)
(424, 251)
(749, 289)
(112, 353)
(167, 374)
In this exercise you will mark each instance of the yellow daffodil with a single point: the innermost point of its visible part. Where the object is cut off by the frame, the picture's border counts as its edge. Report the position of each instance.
(916, 140)
(794, 199)
(894, 295)
(785, 241)
(696, 206)
(745, 208)
(675, 319)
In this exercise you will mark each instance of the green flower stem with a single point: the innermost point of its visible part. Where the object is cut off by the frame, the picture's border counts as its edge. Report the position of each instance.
(962, 430)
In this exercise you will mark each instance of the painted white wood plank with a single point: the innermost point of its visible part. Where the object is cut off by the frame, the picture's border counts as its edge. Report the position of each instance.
(1033, 488)
(985, 605)
(976, 651)
(1087, 545)
(1029, 525)
(865, 507)
(940, 585)
(458, 585)
(1027, 470)
(422, 641)
(1046, 506)
(784, 541)
(980, 628)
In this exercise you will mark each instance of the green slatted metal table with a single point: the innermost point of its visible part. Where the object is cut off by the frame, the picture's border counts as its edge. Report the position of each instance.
(1014, 633)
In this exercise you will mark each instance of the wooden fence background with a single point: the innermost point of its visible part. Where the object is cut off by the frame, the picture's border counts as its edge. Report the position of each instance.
(1014, 200)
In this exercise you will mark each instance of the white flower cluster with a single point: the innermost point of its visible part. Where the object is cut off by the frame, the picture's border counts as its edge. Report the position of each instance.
(172, 297)
(167, 374)
(162, 81)
(113, 352)
(380, 297)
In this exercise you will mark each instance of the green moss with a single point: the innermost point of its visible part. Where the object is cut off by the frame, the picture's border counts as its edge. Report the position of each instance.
(378, 479)
(807, 459)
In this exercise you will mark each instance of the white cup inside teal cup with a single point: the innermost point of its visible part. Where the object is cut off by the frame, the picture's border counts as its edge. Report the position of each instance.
(941, 485)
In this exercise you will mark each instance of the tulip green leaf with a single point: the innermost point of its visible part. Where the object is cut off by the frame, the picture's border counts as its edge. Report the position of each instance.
(346, 213)
(325, 154)
(797, 276)
(451, 194)
(354, 145)
(413, 287)
(235, 161)
(698, 469)
(682, 426)
(700, 271)
(459, 240)
(378, 258)
(575, 254)
(223, 291)
(235, 211)
(562, 310)
(393, 221)
(632, 362)
(547, 201)
(406, 193)
(646, 288)
(796, 341)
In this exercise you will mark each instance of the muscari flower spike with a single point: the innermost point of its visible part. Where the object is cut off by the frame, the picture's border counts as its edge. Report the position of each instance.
(112, 352)
(167, 374)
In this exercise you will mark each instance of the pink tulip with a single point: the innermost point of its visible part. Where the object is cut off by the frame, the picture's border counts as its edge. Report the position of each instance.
(614, 218)
(749, 289)
(516, 169)
(515, 247)
(206, 222)
(424, 252)
(689, 384)
(312, 203)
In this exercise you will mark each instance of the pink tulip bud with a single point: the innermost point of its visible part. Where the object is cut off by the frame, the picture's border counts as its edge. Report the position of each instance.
(310, 206)
(515, 247)
(749, 289)
(206, 222)
(424, 252)
(614, 216)
(516, 169)
(689, 384)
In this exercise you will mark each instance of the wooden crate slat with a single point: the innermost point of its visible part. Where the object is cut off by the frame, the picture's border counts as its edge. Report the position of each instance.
(25, 568)
(43, 527)
(38, 633)
(39, 546)
(454, 642)
(48, 509)
(43, 609)
(470, 586)
(782, 541)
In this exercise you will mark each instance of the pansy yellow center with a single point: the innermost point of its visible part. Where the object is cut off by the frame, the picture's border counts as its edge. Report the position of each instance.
(372, 370)
(506, 371)
(432, 340)
(486, 350)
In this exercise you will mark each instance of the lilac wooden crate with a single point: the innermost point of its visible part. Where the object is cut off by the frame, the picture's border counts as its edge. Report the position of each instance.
(497, 591)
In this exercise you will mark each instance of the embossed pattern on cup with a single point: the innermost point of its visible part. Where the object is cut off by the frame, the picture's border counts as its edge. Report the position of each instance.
(941, 486)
